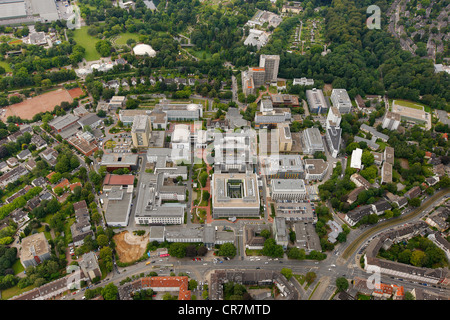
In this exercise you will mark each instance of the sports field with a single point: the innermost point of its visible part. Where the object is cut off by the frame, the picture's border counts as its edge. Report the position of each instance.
(42, 103)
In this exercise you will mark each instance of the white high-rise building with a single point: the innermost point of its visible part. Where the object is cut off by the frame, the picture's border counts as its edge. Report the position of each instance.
(341, 100)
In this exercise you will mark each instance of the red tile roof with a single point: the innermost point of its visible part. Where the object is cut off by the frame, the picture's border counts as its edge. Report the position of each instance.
(73, 185)
(169, 282)
(62, 184)
(118, 180)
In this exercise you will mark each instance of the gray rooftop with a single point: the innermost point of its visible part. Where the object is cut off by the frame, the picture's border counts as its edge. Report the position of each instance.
(287, 185)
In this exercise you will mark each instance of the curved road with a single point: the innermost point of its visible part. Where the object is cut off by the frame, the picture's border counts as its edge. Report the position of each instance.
(350, 249)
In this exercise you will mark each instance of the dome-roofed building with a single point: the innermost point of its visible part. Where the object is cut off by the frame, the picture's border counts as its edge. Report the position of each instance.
(144, 49)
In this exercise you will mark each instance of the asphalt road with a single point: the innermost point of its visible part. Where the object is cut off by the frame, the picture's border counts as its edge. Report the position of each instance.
(356, 243)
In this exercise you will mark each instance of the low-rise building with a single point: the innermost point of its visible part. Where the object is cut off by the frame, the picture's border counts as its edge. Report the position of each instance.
(391, 120)
(360, 181)
(316, 101)
(288, 189)
(119, 161)
(89, 265)
(354, 216)
(35, 250)
(356, 159)
(389, 155)
(280, 233)
(386, 173)
(414, 192)
(380, 207)
(374, 132)
(315, 169)
(306, 237)
(312, 141)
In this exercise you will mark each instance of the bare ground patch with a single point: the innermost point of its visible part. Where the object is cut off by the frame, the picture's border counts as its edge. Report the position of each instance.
(129, 246)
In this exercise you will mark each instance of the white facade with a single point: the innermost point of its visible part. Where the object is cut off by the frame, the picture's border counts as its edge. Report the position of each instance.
(391, 121)
(288, 189)
(341, 100)
(181, 143)
(356, 159)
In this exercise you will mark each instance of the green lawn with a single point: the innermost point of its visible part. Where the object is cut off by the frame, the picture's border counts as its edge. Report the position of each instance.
(17, 267)
(123, 38)
(6, 66)
(411, 104)
(202, 54)
(14, 291)
(88, 42)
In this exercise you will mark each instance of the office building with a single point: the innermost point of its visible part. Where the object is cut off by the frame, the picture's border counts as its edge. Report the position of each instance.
(283, 167)
(315, 169)
(35, 250)
(181, 144)
(271, 119)
(256, 38)
(391, 120)
(333, 117)
(141, 131)
(303, 82)
(235, 195)
(117, 202)
(312, 141)
(119, 161)
(258, 75)
(150, 208)
(235, 151)
(248, 85)
(389, 155)
(316, 101)
(280, 233)
(284, 137)
(334, 140)
(270, 63)
(341, 100)
(180, 112)
(288, 189)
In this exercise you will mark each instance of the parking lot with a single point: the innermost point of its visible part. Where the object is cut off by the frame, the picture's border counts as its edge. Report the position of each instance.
(119, 143)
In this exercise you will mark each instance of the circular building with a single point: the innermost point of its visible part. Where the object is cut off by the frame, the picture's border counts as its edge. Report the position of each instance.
(144, 49)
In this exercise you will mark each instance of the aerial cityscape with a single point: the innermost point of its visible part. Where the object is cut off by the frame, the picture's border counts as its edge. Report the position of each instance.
(251, 150)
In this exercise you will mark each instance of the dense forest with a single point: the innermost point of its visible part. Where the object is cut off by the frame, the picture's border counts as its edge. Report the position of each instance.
(362, 60)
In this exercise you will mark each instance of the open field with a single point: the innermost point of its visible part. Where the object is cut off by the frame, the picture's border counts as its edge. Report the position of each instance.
(123, 38)
(42, 103)
(130, 247)
(201, 54)
(87, 42)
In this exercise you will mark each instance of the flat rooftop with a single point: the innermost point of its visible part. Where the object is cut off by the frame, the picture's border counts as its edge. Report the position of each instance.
(235, 190)
(288, 185)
